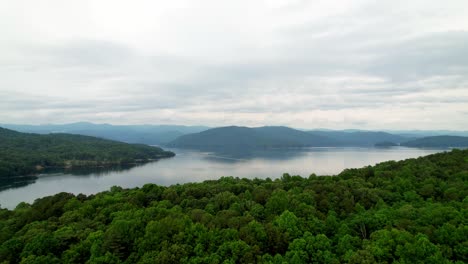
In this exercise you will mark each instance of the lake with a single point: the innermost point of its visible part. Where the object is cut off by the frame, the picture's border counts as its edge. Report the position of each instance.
(197, 166)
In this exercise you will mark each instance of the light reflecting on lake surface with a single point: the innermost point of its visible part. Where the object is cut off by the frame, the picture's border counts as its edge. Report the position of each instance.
(195, 166)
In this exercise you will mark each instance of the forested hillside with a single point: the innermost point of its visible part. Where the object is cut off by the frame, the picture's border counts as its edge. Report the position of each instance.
(361, 138)
(438, 142)
(142, 134)
(412, 211)
(246, 137)
(22, 154)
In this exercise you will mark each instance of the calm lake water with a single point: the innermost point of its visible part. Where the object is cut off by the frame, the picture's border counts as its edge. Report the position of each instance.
(196, 166)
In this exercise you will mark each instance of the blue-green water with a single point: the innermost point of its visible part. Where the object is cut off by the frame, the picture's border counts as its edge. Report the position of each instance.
(195, 166)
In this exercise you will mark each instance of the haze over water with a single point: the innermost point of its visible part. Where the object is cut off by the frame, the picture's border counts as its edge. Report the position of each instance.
(196, 166)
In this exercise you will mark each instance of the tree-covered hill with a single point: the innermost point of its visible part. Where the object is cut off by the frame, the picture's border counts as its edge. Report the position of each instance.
(279, 136)
(23, 154)
(438, 142)
(361, 138)
(245, 137)
(142, 134)
(412, 211)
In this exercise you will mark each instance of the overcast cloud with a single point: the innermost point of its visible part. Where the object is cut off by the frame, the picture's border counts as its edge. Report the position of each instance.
(308, 64)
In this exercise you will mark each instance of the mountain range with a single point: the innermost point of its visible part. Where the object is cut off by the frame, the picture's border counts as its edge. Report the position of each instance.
(362, 138)
(144, 134)
(438, 142)
(235, 137)
(279, 136)
(201, 137)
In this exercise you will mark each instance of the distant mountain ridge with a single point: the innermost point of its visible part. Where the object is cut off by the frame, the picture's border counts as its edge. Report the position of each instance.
(438, 142)
(428, 133)
(280, 136)
(362, 138)
(238, 136)
(143, 134)
(404, 133)
(245, 137)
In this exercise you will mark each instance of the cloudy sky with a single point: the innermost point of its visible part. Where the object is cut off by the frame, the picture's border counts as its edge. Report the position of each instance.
(302, 63)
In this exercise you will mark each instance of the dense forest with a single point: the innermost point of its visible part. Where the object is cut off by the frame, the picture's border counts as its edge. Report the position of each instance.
(412, 211)
(23, 154)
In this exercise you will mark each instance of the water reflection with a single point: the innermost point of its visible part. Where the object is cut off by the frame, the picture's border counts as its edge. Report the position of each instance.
(242, 155)
(18, 182)
(89, 171)
(197, 166)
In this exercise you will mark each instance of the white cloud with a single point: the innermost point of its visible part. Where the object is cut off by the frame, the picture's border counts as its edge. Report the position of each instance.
(335, 64)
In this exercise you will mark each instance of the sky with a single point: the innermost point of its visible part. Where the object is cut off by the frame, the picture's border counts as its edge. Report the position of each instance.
(300, 63)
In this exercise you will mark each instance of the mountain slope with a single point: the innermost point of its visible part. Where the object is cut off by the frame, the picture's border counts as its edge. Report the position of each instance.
(296, 136)
(438, 141)
(361, 138)
(244, 137)
(22, 153)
